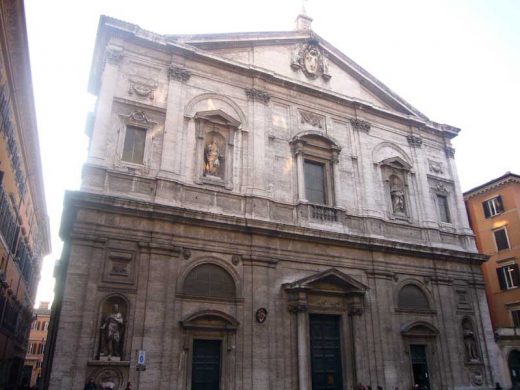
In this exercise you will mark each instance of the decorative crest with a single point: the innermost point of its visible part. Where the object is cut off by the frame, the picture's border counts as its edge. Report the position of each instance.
(313, 63)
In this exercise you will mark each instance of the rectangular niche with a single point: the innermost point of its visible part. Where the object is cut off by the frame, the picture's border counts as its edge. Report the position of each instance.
(119, 267)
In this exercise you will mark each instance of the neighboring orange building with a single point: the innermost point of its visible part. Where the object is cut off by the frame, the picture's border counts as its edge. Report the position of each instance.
(494, 213)
(37, 339)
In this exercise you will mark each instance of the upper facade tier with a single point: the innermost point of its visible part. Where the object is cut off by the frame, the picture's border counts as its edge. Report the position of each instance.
(276, 126)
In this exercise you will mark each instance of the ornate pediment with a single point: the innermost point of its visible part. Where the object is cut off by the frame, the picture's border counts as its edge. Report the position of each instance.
(397, 163)
(329, 281)
(218, 117)
(419, 329)
(210, 319)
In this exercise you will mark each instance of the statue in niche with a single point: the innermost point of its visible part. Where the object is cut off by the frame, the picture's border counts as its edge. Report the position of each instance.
(397, 196)
(470, 342)
(212, 158)
(112, 330)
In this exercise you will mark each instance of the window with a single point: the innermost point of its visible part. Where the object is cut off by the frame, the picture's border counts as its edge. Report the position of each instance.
(46, 326)
(501, 239)
(508, 276)
(515, 314)
(133, 149)
(209, 280)
(314, 173)
(493, 207)
(315, 159)
(444, 211)
(412, 297)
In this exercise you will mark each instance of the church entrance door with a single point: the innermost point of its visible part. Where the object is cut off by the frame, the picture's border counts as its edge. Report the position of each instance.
(325, 352)
(514, 367)
(421, 376)
(205, 373)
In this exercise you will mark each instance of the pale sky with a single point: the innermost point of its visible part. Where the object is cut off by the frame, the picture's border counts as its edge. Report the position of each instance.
(457, 61)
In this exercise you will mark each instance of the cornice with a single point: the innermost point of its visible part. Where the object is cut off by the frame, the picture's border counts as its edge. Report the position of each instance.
(112, 204)
(113, 27)
(14, 32)
(492, 185)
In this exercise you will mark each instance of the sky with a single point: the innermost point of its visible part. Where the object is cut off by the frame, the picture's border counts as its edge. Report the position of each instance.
(457, 61)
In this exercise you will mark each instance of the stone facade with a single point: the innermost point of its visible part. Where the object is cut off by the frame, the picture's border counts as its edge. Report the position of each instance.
(199, 225)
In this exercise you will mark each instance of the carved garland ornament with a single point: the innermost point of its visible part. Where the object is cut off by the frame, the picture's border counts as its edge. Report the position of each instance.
(309, 58)
(359, 124)
(178, 73)
(312, 119)
(414, 141)
(257, 94)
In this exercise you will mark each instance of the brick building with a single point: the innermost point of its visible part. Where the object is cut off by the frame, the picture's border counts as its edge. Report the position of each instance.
(494, 213)
(24, 226)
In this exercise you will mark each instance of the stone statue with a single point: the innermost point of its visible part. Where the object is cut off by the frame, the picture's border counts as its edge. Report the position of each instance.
(470, 343)
(211, 158)
(398, 201)
(112, 331)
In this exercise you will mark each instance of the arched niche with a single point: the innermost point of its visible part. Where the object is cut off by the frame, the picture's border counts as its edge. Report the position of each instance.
(113, 324)
(216, 134)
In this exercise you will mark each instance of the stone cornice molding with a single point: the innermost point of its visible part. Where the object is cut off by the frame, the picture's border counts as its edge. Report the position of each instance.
(77, 200)
(20, 82)
(508, 178)
(402, 111)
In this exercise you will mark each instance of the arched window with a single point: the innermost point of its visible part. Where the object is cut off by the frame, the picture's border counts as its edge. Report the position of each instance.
(412, 297)
(209, 280)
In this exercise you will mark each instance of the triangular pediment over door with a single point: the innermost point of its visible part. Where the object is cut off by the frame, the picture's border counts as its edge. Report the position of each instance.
(329, 291)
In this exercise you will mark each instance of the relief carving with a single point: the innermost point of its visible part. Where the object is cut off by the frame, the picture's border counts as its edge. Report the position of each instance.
(435, 167)
(178, 73)
(310, 60)
(414, 141)
(257, 94)
(360, 125)
(142, 87)
(312, 119)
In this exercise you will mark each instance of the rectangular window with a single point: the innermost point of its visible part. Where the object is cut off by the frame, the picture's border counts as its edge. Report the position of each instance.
(493, 207)
(314, 173)
(46, 326)
(515, 314)
(501, 239)
(133, 149)
(444, 211)
(508, 277)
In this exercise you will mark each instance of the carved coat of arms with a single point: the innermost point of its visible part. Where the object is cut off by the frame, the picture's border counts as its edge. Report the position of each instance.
(309, 58)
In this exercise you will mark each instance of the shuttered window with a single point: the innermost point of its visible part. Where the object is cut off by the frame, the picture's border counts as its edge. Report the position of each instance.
(412, 297)
(209, 280)
(508, 277)
(501, 239)
(493, 207)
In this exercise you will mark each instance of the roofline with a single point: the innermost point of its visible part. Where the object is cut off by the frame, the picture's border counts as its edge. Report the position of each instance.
(168, 42)
(506, 178)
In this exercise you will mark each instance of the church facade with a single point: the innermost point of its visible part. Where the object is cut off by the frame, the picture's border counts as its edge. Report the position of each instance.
(259, 212)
